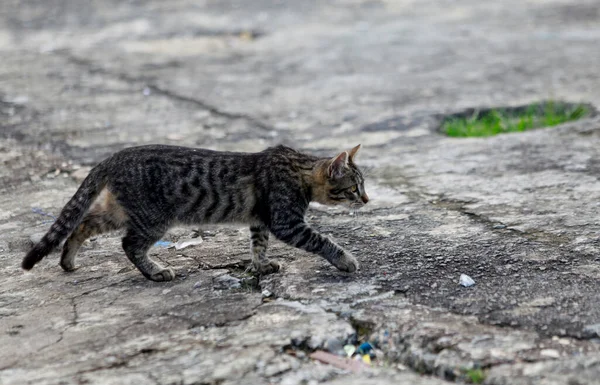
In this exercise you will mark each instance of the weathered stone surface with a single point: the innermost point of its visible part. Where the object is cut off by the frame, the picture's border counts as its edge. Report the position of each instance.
(572, 370)
(517, 213)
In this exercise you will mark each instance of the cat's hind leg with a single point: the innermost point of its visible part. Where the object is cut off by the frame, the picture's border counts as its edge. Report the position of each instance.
(136, 245)
(104, 216)
(259, 236)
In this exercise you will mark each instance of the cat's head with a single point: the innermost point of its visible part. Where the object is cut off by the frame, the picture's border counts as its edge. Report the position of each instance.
(342, 181)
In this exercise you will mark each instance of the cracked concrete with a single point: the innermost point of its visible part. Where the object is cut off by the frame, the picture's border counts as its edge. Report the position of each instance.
(518, 213)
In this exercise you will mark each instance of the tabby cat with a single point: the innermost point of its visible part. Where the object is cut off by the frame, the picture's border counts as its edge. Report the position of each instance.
(148, 189)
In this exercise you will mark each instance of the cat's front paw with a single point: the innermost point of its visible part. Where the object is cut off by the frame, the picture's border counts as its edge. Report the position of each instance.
(347, 263)
(267, 268)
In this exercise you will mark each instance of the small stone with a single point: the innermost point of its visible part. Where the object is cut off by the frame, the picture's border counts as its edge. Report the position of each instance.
(550, 353)
(591, 331)
(226, 282)
(540, 302)
(564, 341)
(466, 281)
(334, 345)
(275, 367)
(187, 243)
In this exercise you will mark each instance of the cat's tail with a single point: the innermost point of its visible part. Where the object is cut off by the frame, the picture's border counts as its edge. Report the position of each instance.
(70, 216)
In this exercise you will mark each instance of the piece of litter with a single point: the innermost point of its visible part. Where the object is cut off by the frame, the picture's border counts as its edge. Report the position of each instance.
(163, 244)
(250, 281)
(225, 282)
(364, 348)
(366, 359)
(338, 362)
(146, 91)
(466, 281)
(247, 35)
(266, 293)
(175, 137)
(349, 349)
(197, 285)
(187, 243)
(39, 211)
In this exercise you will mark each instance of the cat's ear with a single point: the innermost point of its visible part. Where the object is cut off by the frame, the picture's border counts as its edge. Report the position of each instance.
(338, 165)
(353, 153)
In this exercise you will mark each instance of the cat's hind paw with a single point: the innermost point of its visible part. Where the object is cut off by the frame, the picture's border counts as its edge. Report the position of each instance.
(164, 275)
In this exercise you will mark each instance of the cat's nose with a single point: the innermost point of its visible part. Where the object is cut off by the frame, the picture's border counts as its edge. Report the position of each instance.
(364, 198)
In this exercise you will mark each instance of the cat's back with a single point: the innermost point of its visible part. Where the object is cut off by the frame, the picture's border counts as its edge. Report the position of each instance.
(167, 152)
(286, 156)
(166, 167)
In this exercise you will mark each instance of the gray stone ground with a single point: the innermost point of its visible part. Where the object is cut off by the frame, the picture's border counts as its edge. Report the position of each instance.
(518, 213)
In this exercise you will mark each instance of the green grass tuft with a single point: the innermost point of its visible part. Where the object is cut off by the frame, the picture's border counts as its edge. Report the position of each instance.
(475, 376)
(496, 122)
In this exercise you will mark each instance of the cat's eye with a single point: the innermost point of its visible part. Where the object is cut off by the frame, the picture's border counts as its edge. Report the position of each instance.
(353, 188)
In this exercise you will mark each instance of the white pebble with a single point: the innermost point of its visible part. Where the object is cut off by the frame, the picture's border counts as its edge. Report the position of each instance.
(466, 281)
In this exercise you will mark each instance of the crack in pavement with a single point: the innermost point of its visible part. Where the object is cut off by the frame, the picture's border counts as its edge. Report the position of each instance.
(121, 361)
(72, 323)
(416, 193)
(100, 288)
(94, 68)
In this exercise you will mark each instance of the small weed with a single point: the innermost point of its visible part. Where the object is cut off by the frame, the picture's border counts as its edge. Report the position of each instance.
(475, 376)
(501, 121)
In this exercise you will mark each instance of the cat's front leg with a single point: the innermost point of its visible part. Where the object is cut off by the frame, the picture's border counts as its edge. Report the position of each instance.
(296, 232)
(259, 236)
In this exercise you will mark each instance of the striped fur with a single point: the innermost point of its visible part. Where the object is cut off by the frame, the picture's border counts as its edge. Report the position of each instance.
(148, 189)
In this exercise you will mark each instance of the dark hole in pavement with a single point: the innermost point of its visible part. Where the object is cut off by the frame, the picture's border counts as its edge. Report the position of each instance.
(490, 121)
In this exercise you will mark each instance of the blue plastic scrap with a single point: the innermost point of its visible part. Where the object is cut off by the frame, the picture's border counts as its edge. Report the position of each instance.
(39, 211)
(365, 348)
